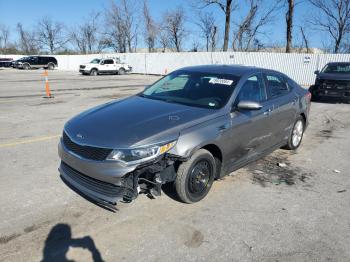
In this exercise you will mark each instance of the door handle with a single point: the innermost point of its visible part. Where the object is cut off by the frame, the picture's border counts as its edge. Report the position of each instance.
(268, 111)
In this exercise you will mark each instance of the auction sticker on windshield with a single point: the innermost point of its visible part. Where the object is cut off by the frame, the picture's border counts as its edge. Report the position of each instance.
(219, 81)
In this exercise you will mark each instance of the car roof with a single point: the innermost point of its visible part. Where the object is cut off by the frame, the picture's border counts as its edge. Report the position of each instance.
(237, 70)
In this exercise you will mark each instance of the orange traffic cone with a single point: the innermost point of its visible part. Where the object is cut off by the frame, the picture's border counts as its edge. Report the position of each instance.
(47, 87)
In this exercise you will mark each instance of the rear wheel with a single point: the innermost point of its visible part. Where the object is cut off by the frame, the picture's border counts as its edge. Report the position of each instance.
(195, 177)
(93, 72)
(51, 66)
(121, 71)
(297, 134)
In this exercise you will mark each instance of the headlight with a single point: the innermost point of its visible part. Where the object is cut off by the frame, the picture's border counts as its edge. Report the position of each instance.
(139, 155)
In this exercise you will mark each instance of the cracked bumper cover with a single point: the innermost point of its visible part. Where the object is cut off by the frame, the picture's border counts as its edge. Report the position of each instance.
(107, 181)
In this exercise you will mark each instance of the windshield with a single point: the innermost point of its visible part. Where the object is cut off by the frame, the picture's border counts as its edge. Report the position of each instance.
(337, 69)
(95, 61)
(208, 90)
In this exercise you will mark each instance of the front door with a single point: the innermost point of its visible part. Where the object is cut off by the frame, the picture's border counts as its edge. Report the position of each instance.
(251, 132)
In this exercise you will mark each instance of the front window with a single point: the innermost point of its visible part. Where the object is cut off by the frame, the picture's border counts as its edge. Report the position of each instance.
(337, 69)
(253, 90)
(199, 89)
(95, 61)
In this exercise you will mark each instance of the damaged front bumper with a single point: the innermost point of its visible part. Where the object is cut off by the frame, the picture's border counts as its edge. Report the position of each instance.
(107, 182)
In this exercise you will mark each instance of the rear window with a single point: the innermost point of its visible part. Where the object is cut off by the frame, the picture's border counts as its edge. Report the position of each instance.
(108, 62)
(276, 85)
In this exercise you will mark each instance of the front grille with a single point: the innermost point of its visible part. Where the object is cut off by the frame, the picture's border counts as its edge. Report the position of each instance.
(88, 152)
(93, 184)
(82, 67)
(336, 84)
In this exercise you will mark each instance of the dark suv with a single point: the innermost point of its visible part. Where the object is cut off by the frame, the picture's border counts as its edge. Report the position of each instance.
(5, 62)
(332, 82)
(47, 62)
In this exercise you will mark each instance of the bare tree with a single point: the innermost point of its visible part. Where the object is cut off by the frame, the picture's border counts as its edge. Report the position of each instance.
(289, 24)
(86, 36)
(27, 43)
(4, 36)
(121, 25)
(305, 40)
(227, 7)
(208, 28)
(151, 28)
(174, 24)
(333, 17)
(50, 35)
(251, 26)
(213, 38)
(115, 36)
(163, 38)
(195, 46)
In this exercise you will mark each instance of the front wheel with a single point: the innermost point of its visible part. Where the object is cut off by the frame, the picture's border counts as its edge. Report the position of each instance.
(314, 95)
(195, 177)
(297, 134)
(93, 72)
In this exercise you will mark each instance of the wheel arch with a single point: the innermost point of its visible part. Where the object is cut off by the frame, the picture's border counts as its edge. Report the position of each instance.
(304, 117)
(218, 156)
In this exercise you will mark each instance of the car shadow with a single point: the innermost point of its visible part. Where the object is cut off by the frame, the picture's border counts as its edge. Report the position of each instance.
(59, 240)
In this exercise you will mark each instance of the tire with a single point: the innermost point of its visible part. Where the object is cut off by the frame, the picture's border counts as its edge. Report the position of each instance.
(26, 67)
(195, 177)
(50, 66)
(121, 71)
(297, 134)
(93, 72)
(314, 96)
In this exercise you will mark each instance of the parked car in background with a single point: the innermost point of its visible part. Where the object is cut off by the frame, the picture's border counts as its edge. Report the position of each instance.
(14, 63)
(105, 66)
(31, 62)
(332, 82)
(191, 127)
(5, 62)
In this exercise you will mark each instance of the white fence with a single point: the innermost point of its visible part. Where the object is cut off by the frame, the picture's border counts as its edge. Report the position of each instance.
(300, 67)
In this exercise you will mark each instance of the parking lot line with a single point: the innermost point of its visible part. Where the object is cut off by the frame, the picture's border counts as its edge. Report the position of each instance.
(38, 139)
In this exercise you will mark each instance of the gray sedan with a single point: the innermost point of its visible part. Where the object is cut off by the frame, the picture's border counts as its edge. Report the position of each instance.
(193, 126)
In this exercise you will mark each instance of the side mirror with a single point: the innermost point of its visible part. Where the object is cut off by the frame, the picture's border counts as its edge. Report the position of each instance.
(102, 63)
(249, 105)
(317, 72)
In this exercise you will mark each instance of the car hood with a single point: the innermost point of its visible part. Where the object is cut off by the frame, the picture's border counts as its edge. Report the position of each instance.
(134, 121)
(326, 76)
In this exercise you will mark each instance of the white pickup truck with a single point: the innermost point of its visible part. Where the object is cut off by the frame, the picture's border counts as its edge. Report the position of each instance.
(105, 66)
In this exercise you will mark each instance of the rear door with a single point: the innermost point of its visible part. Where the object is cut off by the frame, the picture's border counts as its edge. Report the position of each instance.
(283, 102)
(42, 61)
(108, 66)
